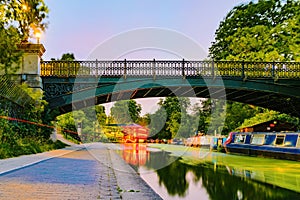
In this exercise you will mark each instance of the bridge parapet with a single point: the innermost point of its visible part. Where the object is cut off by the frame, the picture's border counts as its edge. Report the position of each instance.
(171, 68)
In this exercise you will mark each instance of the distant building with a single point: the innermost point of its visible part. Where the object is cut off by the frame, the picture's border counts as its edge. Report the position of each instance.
(127, 132)
(270, 126)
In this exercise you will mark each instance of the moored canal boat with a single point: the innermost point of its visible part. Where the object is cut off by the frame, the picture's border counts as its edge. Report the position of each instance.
(282, 145)
(205, 141)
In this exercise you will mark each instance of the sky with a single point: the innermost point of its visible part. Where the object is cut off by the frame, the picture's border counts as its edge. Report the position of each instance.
(80, 26)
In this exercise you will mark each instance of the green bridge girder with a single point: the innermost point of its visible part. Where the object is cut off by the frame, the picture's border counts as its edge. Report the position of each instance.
(276, 89)
(278, 96)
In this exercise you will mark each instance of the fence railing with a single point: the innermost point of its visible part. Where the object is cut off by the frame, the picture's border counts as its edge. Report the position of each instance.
(11, 91)
(171, 68)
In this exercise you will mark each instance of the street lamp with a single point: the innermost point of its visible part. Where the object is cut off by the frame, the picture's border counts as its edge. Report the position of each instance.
(24, 7)
(38, 36)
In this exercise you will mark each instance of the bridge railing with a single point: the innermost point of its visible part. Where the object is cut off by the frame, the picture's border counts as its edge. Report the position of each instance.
(172, 68)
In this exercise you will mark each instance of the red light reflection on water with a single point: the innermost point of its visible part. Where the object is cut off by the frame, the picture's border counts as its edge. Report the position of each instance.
(135, 153)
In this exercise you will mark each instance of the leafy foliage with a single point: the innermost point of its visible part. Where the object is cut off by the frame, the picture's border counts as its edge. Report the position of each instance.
(9, 53)
(68, 57)
(158, 124)
(264, 30)
(268, 115)
(201, 115)
(92, 119)
(267, 30)
(210, 117)
(19, 20)
(126, 111)
(171, 119)
(237, 113)
(16, 137)
(27, 16)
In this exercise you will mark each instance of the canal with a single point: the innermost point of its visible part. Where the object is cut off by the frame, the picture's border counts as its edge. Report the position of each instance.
(178, 172)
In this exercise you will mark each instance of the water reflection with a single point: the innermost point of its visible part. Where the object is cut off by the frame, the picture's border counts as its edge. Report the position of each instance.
(135, 153)
(218, 180)
(138, 154)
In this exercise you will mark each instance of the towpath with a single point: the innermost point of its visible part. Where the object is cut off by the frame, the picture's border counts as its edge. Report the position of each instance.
(93, 171)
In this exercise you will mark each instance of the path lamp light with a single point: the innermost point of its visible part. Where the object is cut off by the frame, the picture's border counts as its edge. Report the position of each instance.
(38, 36)
(23, 78)
(24, 7)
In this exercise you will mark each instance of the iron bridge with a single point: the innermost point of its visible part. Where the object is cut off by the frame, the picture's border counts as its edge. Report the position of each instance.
(72, 85)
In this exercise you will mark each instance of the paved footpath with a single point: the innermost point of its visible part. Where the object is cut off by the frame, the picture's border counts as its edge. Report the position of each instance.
(93, 171)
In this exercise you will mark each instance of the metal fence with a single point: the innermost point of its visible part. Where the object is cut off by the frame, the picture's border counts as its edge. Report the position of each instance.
(11, 91)
(150, 68)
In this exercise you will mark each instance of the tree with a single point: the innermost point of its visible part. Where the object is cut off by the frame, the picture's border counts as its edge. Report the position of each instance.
(216, 117)
(176, 109)
(158, 124)
(126, 111)
(171, 119)
(145, 120)
(70, 120)
(91, 118)
(263, 31)
(9, 53)
(28, 16)
(237, 113)
(187, 126)
(268, 115)
(201, 114)
(68, 57)
(100, 114)
(19, 20)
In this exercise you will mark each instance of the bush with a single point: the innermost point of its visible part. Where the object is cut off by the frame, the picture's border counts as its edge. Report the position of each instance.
(25, 135)
(27, 146)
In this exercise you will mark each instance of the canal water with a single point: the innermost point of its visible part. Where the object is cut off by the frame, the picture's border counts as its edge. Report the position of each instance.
(178, 172)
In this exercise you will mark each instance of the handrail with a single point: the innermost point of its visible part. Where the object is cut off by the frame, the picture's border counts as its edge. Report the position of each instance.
(171, 68)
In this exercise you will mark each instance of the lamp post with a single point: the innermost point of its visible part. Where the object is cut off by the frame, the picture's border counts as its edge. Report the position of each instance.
(38, 36)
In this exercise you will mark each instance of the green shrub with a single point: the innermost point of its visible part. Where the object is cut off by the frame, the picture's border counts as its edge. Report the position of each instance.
(25, 146)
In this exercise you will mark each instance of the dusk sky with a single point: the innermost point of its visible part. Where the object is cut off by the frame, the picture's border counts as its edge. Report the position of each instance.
(77, 26)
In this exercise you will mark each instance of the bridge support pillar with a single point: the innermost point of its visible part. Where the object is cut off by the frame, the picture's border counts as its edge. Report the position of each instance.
(30, 70)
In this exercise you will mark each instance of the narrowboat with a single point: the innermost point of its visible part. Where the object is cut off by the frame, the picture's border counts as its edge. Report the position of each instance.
(199, 141)
(281, 145)
(205, 141)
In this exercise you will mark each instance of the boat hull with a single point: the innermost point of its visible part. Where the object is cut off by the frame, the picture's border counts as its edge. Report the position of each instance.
(287, 149)
(264, 153)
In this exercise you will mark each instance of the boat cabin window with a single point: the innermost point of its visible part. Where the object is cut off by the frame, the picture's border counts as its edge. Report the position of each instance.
(290, 140)
(239, 138)
(279, 139)
(258, 139)
(298, 142)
